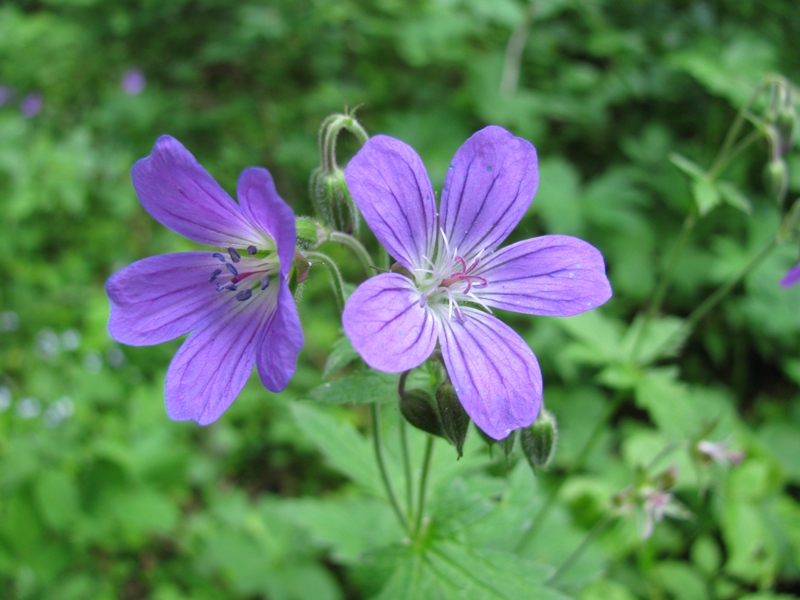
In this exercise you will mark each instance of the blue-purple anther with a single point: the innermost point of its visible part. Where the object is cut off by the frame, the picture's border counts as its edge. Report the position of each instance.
(253, 272)
(452, 272)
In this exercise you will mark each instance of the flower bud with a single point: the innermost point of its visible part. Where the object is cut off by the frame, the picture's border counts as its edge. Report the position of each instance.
(454, 419)
(777, 178)
(333, 201)
(307, 235)
(539, 440)
(417, 408)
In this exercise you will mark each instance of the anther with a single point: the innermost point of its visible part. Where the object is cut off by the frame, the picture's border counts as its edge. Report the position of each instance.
(219, 256)
(231, 287)
(251, 250)
(232, 269)
(235, 257)
(264, 282)
(214, 275)
(244, 295)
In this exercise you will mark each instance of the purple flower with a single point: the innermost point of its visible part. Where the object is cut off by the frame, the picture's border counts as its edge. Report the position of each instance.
(236, 300)
(792, 276)
(6, 95)
(133, 82)
(31, 105)
(455, 270)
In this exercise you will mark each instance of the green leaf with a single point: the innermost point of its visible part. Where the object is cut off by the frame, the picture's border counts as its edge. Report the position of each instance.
(733, 196)
(691, 168)
(331, 524)
(659, 338)
(58, 499)
(668, 402)
(705, 194)
(448, 569)
(342, 354)
(362, 387)
(345, 448)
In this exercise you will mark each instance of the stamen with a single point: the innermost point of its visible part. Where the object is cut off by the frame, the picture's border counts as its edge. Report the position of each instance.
(251, 250)
(214, 275)
(235, 256)
(218, 256)
(231, 287)
(232, 269)
(423, 300)
(264, 282)
(244, 295)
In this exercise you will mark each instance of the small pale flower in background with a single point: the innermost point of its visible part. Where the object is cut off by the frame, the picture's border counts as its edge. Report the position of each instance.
(31, 105)
(454, 274)
(235, 299)
(658, 504)
(719, 453)
(133, 82)
(792, 276)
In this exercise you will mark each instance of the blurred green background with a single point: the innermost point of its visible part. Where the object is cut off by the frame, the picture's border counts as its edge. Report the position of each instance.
(101, 496)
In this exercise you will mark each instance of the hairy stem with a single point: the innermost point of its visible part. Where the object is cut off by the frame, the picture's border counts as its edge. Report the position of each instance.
(333, 270)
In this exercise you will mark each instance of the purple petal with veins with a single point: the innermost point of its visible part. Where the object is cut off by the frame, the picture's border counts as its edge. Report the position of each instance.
(455, 275)
(239, 320)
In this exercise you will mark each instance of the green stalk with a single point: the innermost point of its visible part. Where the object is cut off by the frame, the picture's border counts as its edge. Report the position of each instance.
(401, 388)
(357, 247)
(541, 515)
(333, 270)
(575, 554)
(387, 483)
(423, 484)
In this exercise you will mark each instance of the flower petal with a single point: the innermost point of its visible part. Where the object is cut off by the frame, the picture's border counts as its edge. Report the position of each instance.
(390, 186)
(489, 186)
(494, 373)
(263, 207)
(280, 343)
(791, 277)
(555, 275)
(162, 297)
(387, 326)
(180, 194)
(213, 364)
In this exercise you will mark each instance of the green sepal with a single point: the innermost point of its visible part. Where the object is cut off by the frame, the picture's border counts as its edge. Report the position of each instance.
(454, 419)
(417, 407)
(539, 440)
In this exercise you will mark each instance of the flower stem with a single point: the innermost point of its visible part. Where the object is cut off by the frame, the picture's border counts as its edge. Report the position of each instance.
(401, 388)
(357, 247)
(698, 313)
(575, 554)
(336, 277)
(423, 484)
(666, 278)
(535, 525)
(387, 483)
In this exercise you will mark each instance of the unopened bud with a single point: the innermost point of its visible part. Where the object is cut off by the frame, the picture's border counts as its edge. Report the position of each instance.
(539, 440)
(777, 178)
(333, 201)
(418, 409)
(454, 419)
(307, 236)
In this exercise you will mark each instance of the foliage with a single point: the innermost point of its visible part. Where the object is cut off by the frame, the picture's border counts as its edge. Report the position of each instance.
(101, 496)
